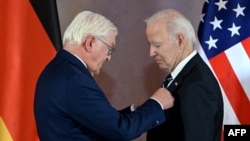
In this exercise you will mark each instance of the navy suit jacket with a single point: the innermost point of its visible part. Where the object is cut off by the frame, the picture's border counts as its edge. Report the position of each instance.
(70, 106)
(197, 114)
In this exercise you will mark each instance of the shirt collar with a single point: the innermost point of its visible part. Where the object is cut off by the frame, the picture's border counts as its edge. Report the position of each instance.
(181, 65)
(81, 60)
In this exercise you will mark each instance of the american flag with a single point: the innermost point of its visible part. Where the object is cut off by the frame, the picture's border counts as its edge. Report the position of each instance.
(224, 35)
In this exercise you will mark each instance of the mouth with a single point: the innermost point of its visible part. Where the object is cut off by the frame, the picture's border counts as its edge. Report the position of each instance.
(158, 61)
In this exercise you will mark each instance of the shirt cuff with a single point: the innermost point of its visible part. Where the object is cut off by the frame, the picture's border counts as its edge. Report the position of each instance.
(132, 108)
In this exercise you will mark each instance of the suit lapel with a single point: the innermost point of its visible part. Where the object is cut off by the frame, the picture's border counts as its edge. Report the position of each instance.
(184, 72)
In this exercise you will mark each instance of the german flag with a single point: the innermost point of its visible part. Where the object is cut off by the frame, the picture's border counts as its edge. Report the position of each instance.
(29, 38)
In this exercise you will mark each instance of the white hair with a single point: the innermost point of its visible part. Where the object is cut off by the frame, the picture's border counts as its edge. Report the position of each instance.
(87, 23)
(175, 23)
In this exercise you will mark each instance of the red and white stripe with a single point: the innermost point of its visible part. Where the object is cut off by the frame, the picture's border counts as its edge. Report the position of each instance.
(232, 69)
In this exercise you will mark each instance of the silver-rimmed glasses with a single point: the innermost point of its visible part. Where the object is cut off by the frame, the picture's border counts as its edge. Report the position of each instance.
(111, 49)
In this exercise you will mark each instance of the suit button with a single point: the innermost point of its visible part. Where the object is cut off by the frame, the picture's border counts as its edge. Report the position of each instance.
(157, 122)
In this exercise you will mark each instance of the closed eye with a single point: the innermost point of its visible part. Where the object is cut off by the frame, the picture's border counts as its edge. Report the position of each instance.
(155, 44)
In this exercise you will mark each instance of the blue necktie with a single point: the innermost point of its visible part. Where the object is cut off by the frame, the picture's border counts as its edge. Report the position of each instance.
(166, 81)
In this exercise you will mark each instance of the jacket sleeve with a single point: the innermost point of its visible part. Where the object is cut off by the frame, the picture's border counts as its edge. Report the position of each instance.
(91, 110)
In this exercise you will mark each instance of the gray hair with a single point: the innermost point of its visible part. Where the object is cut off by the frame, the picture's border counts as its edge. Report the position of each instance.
(87, 23)
(175, 23)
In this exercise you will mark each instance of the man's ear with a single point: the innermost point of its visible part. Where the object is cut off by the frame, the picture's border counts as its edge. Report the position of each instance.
(88, 43)
(180, 39)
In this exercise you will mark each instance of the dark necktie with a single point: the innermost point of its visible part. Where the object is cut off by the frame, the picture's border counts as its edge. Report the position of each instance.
(166, 81)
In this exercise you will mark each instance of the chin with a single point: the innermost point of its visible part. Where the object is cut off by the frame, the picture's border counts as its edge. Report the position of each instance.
(162, 66)
(97, 72)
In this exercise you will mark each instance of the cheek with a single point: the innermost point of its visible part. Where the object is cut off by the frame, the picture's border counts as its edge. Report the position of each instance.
(97, 60)
(100, 54)
(169, 52)
(167, 55)
(100, 60)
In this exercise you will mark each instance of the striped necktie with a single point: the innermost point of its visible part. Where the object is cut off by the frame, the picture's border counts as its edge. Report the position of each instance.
(166, 81)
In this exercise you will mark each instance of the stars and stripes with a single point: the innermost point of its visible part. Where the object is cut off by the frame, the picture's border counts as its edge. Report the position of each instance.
(224, 35)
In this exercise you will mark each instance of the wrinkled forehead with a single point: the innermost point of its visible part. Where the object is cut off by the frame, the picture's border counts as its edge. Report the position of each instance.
(157, 27)
(157, 24)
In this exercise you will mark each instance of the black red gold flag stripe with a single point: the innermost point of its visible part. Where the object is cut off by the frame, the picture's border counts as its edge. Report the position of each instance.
(29, 38)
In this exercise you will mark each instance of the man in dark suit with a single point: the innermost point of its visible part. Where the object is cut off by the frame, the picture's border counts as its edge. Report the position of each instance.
(70, 106)
(197, 114)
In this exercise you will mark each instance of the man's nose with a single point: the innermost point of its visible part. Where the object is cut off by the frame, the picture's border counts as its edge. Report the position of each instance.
(108, 58)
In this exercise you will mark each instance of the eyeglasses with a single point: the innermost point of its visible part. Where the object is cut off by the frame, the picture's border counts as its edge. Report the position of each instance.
(111, 49)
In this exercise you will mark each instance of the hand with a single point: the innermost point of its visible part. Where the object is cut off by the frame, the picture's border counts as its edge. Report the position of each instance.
(164, 97)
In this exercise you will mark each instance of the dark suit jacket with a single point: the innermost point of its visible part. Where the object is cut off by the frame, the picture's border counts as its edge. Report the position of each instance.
(197, 114)
(70, 106)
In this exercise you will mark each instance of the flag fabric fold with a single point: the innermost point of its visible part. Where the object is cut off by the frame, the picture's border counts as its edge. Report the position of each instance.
(26, 47)
(224, 35)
